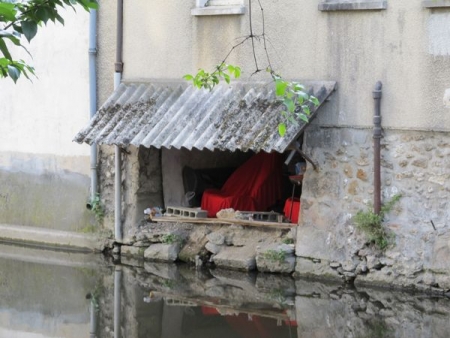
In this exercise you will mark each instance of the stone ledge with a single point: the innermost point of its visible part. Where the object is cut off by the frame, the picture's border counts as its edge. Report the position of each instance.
(218, 10)
(42, 237)
(436, 4)
(352, 6)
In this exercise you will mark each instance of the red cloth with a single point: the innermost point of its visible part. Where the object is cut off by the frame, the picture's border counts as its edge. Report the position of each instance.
(295, 209)
(254, 186)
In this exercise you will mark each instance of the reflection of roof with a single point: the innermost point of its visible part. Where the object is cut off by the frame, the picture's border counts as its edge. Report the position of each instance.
(239, 116)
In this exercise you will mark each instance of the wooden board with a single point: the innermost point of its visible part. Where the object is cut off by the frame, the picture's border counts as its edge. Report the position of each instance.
(274, 225)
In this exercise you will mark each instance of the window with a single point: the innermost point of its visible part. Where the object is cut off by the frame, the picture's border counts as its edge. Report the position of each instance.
(352, 5)
(218, 7)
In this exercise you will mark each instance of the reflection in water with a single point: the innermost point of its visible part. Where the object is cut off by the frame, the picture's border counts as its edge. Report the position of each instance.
(56, 294)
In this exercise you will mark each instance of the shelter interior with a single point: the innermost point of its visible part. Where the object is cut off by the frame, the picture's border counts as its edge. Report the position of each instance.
(194, 178)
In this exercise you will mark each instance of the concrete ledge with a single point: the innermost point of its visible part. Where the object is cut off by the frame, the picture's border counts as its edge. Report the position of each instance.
(436, 4)
(42, 237)
(352, 6)
(218, 10)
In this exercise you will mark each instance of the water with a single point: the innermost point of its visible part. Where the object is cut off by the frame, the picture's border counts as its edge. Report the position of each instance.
(57, 294)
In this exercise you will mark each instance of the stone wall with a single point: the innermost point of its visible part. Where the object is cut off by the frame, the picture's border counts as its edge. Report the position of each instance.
(141, 184)
(415, 164)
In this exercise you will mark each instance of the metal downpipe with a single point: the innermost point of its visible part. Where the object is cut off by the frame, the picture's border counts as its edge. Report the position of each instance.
(93, 94)
(376, 148)
(118, 67)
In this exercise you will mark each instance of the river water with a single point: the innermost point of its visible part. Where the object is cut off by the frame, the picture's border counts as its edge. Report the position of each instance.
(45, 293)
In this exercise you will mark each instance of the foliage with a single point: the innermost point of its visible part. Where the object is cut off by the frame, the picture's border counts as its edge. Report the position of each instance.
(170, 239)
(275, 255)
(288, 240)
(372, 224)
(297, 103)
(97, 208)
(19, 18)
(207, 80)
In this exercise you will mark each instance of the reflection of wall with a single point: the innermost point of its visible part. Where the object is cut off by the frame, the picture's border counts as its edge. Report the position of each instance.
(44, 175)
(44, 298)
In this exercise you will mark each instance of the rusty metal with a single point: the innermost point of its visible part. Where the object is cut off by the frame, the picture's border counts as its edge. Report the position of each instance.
(376, 148)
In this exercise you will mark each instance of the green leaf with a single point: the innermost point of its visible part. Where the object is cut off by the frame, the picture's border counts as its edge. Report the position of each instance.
(4, 49)
(188, 77)
(237, 72)
(43, 14)
(13, 72)
(314, 100)
(7, 11)
(280, 87)
(60, 19)
(282, 129)
(29, 29)
(306, 109)
(303, 117)
(227, 78)
(231, 69)
(289, 103)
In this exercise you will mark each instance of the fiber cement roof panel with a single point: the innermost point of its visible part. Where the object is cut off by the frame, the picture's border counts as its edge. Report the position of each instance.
(239, 116)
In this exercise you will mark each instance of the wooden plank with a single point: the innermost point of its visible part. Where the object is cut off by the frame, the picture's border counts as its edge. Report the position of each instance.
(274, 225)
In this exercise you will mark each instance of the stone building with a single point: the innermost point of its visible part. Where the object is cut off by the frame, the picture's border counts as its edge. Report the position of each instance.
(403, 44)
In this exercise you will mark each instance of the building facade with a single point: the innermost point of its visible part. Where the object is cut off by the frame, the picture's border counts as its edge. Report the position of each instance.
(404, 45)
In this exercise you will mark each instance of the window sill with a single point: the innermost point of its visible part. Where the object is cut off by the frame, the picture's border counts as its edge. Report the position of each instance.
(218, 10)
(436, 4)
(352, 6)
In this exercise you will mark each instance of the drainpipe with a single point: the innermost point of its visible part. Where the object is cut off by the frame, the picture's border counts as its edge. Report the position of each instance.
(376, 148)
(118, 67)
(117, 298)
(93, 93)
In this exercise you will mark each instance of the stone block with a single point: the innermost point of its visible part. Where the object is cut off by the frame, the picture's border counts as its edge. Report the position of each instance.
(130, 251)
(162, 252)
(306, 267)
(239, 258)
(265, 263)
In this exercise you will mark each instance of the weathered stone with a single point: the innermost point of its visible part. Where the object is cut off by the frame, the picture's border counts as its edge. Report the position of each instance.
(239, 258)
(162, 252)
(348, 170)
(132, 251)
(305, 267)
(266, 264)
(420, 162)
(335, 265)
(213, 248)
(373, 263)
(141, 243)
(361, 174)
(348, 266)
(353, 188)
(217, 238)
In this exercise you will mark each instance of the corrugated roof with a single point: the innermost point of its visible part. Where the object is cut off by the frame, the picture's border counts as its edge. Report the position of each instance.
(239, 116)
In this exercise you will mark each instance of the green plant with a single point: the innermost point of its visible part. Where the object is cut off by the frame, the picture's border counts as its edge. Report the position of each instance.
(372, 224)
(23, 18)
(288, 240)
(170, 239)
(275, 255)
(97, 208)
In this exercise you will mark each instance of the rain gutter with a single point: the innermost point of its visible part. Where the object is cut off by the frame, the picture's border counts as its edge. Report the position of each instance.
(93, 96)
(118, 67)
